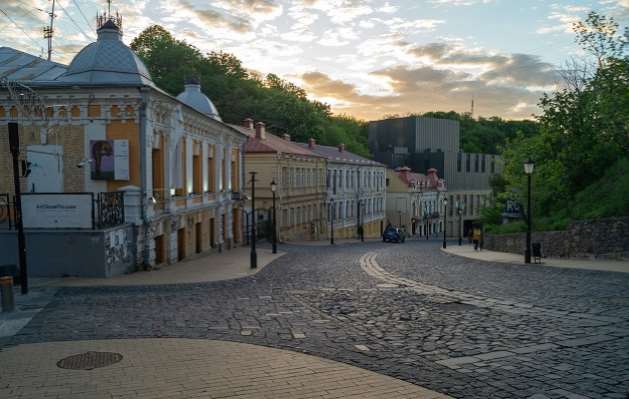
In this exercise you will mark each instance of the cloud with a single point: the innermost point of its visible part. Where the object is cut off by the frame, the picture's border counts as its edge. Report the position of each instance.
(513, 69)
(215, 18)
(423, 90)
(459, 2)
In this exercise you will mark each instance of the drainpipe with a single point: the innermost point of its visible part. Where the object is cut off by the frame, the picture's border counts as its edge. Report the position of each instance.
(144, 93)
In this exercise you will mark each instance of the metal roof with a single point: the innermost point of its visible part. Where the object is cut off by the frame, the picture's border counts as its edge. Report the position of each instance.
(334, 154)
(108, 60)
(20, 66)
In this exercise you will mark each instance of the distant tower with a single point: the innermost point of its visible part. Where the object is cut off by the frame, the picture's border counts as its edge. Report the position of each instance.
(49, 30)
(472, 110)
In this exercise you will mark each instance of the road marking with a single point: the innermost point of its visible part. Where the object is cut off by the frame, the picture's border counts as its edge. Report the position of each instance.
(436, 294)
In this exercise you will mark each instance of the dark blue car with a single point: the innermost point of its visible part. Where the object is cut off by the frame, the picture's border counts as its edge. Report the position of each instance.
(393, 234)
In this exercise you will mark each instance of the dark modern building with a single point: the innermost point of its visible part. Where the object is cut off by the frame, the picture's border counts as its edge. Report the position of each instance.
(425, 143)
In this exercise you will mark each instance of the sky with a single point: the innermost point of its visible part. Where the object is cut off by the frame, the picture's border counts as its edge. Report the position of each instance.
(366, 58)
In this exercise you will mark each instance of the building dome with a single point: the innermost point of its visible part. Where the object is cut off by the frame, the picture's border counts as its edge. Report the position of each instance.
(193, 97)
(107, 61)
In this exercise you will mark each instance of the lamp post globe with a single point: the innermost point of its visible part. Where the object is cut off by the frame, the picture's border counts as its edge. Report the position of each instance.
(529, 166)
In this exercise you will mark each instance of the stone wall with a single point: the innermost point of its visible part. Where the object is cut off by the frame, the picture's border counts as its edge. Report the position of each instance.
(604, 238)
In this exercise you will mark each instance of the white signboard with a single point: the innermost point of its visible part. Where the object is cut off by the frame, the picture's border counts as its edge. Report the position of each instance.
(46, 211)
(121, 159)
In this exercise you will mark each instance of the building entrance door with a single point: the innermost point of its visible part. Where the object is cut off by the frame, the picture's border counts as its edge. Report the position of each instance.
(181, 244)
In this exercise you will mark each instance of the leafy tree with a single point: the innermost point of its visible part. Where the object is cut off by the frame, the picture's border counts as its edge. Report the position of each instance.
(583, 142)
(239, 93)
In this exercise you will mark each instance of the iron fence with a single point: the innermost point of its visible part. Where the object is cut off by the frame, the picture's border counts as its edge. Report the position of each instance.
(109, 209)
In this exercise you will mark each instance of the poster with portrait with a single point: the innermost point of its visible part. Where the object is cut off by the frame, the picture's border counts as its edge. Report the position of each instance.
(109, 159)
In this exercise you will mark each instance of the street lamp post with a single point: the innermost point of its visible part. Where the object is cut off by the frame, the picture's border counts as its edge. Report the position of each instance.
(399, 219)
(445, 220)
(529, 165)
(332, 211)
(459, 211)
(254, 255)
(362, 220)
(273, 190)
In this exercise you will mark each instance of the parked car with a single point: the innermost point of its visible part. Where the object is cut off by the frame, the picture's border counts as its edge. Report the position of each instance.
(393, 234)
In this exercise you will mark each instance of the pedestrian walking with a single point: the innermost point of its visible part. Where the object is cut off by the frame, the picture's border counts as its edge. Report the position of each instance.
(476, 237)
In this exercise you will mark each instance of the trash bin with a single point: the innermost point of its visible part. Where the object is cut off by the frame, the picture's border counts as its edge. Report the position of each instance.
(537, 252)
(6, 292)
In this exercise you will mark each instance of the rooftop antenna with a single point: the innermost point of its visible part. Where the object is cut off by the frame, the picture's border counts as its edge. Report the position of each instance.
(49, 30)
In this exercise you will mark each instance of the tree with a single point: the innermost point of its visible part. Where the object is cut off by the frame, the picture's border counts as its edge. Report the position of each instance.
(584, 135)
(238, 93)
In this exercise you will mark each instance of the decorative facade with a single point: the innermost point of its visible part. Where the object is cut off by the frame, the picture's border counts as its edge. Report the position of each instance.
(355, 191)
(415, 201)
(106, 127)
(300, 178)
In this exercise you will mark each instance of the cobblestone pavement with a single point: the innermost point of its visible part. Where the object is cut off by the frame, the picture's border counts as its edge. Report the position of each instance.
(465, 328)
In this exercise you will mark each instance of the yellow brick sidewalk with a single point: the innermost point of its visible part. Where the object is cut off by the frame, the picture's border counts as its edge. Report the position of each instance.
(187, 368)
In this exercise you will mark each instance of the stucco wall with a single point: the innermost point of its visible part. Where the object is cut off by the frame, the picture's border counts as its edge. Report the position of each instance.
(57, 253)
(605, 238)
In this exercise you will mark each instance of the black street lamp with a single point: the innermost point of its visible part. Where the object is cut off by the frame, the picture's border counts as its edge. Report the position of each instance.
(445, 220)
(254, 255)
(529, 165)
(273, 189)
(332, 211)
(426, 221)
(459, 210)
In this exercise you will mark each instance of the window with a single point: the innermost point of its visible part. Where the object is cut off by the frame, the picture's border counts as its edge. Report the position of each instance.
(459, 160)
(235, 170)
(211, 170)
(467, 162)
(327, 179)
(285, 176)
(197, 176)
(493, 165)
(334, 182)
(482, 164)
(476, 163)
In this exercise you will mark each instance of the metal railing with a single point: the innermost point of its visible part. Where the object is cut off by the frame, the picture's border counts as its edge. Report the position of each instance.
(109, 209)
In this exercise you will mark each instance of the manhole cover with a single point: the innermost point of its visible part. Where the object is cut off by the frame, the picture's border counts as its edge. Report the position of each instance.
(89, 360)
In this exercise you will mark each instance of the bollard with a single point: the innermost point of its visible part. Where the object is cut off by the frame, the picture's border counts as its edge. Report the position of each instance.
(6, 291)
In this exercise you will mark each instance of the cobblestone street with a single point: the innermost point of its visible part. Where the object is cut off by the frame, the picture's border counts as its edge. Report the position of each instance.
(464, 328)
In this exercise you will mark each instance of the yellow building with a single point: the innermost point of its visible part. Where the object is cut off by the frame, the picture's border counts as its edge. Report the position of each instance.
(300, 178)
(103, 127)
(355, 191)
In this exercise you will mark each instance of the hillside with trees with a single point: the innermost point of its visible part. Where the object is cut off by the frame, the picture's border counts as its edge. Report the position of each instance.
(581, 153)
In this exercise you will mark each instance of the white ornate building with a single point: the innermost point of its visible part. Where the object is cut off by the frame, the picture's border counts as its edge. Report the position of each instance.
(355, 191)
(107, 128)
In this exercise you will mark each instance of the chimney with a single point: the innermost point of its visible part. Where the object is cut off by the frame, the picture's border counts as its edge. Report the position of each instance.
(260, 131)
(248, 123)
(286, 137)
(311, 143)
(341, 147)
